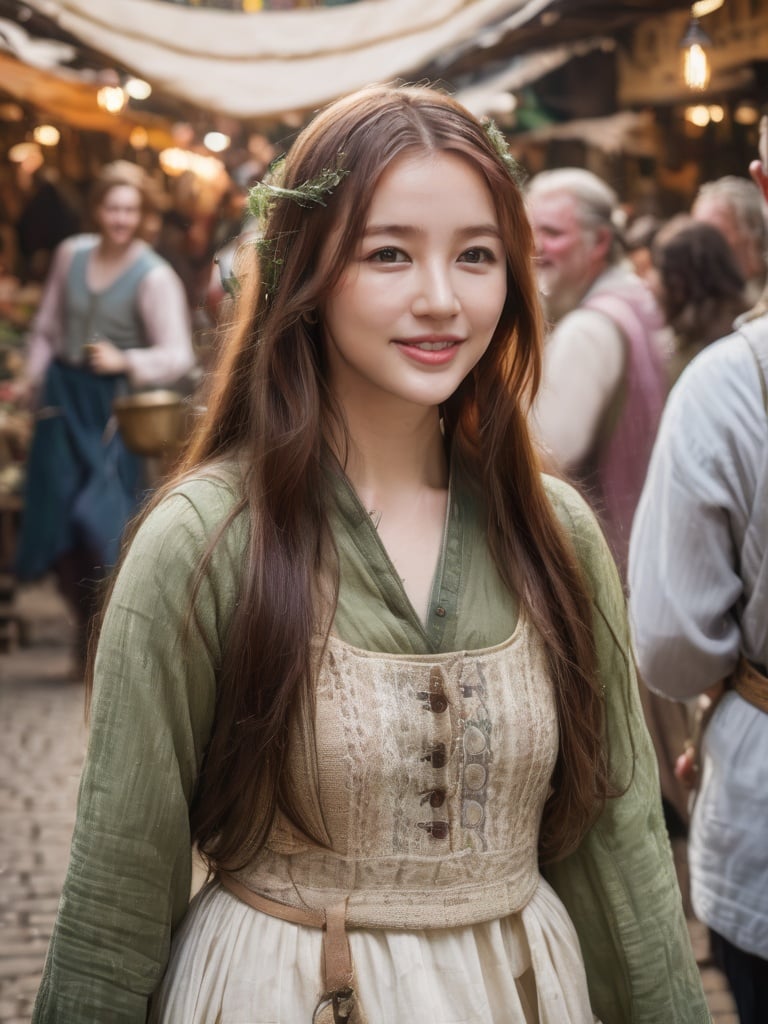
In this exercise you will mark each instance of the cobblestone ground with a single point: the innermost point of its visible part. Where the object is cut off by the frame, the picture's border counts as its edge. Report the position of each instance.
(42, 742)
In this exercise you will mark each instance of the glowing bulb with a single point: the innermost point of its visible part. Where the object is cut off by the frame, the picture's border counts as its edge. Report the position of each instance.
(716, 113)
(138, 89)
(696, 67)
(139, 138)
(46, 135)
(217, 142)
(746, 113)
(111, 98)
(698, 115)
(704, 7)
(695, 61)
(23, 151)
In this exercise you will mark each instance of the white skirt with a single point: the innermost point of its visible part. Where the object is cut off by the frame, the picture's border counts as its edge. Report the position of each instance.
(231, 964)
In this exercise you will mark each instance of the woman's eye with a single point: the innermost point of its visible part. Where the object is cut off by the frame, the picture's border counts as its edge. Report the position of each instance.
(478, 255)
(388, 255)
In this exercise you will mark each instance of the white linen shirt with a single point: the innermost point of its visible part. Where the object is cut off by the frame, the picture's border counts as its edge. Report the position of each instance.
(698, 563)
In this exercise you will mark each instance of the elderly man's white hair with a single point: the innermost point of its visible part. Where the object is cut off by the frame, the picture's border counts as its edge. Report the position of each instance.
(596, 202)
(745, 201)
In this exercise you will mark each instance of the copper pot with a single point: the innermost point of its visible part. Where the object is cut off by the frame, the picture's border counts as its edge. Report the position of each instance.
(151, 422)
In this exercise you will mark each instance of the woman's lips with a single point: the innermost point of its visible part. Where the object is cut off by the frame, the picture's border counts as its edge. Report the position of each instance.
(430, 350)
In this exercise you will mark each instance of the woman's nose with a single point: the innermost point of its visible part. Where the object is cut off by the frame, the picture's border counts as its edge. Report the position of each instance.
(436, 296)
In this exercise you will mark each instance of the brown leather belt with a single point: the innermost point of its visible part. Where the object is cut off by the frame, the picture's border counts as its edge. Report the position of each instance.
(338, 1002)
(750, 684)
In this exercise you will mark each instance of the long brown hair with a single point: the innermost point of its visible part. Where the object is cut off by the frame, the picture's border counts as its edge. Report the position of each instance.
(269, 402)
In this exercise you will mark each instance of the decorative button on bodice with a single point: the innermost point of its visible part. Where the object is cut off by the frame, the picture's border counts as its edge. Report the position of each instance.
(436, 756)
(436, 829)
(434, 797)
(434, 699)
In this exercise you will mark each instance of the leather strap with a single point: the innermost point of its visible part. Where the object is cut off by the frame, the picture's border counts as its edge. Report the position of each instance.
(338, 1002)
(296, 915)
(750, 684)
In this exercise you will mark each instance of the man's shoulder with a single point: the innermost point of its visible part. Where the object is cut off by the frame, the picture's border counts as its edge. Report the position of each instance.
(726, 363)
(627, 300)
(716, 406)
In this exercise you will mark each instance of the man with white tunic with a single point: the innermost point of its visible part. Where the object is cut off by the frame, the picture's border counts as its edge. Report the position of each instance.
(604, 385)
(698, 574)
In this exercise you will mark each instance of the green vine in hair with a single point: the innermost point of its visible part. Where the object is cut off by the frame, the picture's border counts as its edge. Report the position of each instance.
(270, 263)
(310, 193)
(263, 196)
(499, 143)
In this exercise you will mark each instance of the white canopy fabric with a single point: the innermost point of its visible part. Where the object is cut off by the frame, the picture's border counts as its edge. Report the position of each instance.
(627, 131)
(272, 63)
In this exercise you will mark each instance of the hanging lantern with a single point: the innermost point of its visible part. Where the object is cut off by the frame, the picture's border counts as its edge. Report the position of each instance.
(694, 45)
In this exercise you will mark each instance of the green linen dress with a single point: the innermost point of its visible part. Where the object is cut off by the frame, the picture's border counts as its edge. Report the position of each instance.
(129, 876)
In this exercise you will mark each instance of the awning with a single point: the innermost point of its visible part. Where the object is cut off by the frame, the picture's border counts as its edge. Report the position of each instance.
(625, 132)
(270, 63)
(74, 102)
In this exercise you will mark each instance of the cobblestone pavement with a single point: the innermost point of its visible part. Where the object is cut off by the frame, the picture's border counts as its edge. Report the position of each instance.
(42, 741)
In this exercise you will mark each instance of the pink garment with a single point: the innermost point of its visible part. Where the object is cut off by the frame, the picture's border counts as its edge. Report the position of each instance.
(617, 474)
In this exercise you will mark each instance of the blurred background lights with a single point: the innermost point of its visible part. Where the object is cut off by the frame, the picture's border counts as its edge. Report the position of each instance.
(746, 114)
(704, 7)
(138, 89)
(46, 135)
(175, 162)
(217, 142)
(139, 138)
(694, 45)
(698, 115)
(27, 155)
(11, 112)
(22, 151)
(111, 98)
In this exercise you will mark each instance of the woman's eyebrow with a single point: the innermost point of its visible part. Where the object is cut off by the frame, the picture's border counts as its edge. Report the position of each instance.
(468, 231)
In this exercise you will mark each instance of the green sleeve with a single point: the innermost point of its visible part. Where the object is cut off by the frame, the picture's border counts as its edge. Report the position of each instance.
(620, 887)
(128, 879)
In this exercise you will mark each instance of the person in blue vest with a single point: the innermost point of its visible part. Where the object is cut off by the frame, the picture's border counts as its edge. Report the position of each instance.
(113, 317)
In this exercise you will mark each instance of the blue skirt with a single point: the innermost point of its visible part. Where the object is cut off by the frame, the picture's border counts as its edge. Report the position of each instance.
(82, 484)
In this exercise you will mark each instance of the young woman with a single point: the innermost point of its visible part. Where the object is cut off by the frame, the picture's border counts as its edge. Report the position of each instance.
(364, 657)
(113, 316)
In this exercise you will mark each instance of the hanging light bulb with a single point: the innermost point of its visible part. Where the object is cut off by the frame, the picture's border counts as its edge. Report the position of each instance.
(138, 89)
(694, 45)
(111, 98)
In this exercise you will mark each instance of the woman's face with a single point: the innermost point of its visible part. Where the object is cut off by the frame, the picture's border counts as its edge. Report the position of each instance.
(119, 215)
(418, 303)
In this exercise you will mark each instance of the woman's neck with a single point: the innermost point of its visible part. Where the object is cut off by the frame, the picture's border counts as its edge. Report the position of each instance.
(107, 252)
(394, 453)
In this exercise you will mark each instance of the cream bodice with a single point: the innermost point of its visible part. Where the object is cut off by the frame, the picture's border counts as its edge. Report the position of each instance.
(426, 776)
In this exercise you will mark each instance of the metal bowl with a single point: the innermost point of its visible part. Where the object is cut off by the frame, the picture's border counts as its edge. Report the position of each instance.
(151, 422)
